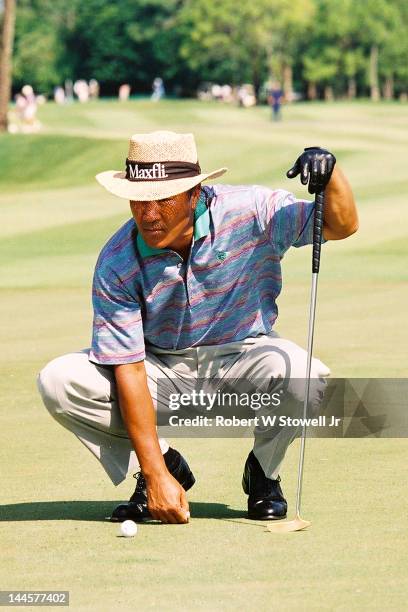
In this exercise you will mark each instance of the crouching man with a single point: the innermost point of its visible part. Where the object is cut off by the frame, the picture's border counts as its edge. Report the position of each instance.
(187, 289)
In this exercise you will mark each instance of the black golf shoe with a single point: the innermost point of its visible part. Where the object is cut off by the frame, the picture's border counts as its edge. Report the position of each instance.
(265, 501)
(136, 508)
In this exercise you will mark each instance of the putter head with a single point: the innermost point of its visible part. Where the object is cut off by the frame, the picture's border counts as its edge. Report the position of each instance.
(287, 526)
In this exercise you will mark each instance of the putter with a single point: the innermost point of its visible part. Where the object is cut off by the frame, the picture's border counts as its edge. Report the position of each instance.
(297, 524)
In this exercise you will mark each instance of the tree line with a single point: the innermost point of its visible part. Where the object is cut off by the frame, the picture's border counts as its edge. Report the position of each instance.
(319, 48)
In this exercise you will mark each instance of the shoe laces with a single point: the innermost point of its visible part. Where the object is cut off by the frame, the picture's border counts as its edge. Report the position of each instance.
(272, 486)
(140, 482)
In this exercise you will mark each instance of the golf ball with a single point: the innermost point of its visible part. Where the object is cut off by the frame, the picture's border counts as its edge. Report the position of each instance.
(128, 529)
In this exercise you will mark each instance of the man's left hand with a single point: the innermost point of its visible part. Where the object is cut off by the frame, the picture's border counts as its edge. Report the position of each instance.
(315, 166)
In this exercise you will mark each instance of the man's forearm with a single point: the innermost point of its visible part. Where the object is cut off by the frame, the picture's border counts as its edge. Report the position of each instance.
(166, 499)
(139, 416)
(340, 218)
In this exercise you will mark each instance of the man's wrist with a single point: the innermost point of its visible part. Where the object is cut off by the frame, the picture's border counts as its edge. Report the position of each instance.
(156, 473)
(155, 468)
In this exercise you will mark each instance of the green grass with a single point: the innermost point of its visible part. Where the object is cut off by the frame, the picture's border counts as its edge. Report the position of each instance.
(45, 162)
(54, 220)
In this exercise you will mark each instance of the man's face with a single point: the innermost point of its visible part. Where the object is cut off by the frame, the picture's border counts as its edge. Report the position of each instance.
(166, 222)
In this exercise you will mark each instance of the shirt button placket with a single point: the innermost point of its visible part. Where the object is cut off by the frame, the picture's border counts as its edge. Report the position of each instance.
(189, 288)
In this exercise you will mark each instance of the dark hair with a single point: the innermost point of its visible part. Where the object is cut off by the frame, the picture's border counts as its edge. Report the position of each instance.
(192, 190)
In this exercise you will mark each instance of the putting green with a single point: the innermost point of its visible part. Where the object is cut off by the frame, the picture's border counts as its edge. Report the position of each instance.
(54, 219)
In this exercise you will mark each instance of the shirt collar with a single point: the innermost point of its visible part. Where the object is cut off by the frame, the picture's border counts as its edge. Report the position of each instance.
(201, 226)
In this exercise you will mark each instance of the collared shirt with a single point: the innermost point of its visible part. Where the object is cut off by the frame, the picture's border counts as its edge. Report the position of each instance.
(225, 291)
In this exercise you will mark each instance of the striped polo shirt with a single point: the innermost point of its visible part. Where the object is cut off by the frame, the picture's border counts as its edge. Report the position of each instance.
(225, 291)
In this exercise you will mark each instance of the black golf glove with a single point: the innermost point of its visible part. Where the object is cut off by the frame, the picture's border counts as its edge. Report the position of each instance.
(315, 167)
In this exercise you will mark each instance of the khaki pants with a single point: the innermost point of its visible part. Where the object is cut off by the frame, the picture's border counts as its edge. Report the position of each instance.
(81, 396)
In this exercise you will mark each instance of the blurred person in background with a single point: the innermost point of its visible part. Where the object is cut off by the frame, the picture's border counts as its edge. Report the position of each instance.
(275, 99)
(69, 90)
(124, 92)
(81, 90)
(59, 95)
(158, 89)
(26, 111)
(94, 89)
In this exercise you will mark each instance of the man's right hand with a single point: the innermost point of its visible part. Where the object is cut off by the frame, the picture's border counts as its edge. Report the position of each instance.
(166, 499)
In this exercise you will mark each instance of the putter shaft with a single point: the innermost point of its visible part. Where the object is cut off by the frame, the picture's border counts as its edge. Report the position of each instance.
(312, 313)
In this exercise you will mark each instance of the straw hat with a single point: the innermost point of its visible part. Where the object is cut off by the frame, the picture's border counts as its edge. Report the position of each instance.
(159, 165)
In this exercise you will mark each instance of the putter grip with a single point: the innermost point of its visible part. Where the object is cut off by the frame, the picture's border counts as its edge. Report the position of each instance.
(317, 230)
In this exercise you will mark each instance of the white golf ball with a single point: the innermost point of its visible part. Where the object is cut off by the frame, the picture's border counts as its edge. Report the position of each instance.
(128, 529)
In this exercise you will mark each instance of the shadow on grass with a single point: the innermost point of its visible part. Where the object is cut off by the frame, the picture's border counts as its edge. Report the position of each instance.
(97, 511)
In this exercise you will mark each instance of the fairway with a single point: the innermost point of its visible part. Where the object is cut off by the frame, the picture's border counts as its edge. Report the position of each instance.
(55, 497)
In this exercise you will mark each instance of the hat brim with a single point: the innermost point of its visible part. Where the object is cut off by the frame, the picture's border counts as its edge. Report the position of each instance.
(144, 191)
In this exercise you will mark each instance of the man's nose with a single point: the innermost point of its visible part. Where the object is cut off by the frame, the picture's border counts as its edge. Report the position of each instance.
(151, 212)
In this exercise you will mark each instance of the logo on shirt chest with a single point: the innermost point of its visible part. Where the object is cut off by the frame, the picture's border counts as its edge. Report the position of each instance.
(221, 255)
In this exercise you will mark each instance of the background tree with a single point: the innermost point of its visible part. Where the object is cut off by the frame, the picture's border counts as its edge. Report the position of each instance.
(223, 41)
(332, 58)
(127, 41)
(331, 47)
(38, 44)
(288, 25)
(378, 22)
(393, 61)
(6, 59)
